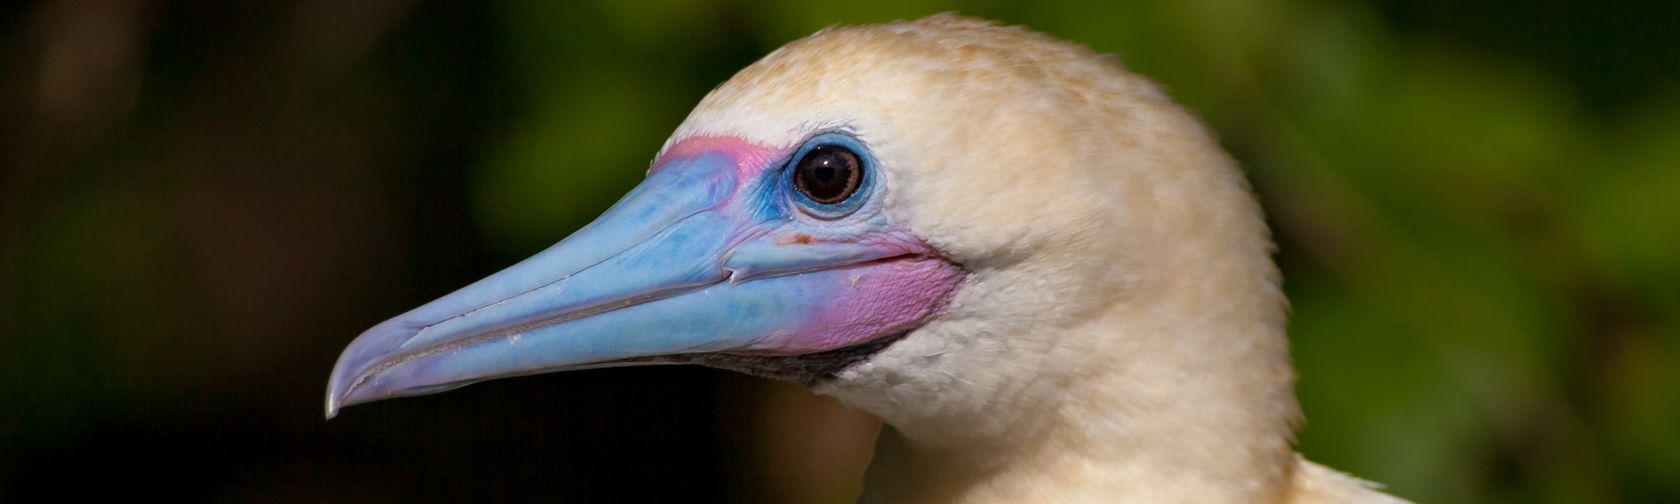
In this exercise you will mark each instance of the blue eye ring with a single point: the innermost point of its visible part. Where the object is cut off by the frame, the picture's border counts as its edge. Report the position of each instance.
(823, 151)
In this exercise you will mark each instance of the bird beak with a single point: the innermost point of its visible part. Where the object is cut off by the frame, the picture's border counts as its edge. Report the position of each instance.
(683, 264)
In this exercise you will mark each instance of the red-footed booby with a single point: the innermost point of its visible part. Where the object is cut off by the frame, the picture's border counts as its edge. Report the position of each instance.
(1047, 279)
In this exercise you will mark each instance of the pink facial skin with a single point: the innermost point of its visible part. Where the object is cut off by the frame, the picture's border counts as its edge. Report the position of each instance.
(884, 280)
(886, 298)
(909, 286)
(750, 159)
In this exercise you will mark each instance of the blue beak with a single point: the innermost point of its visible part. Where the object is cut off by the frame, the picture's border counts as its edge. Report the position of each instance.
(684, 264)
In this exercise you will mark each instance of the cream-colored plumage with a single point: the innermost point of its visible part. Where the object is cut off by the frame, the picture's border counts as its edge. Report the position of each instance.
(1120, 337)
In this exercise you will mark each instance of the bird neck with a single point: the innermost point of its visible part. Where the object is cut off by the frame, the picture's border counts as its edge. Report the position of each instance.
(1183, 396)
(1196, 441)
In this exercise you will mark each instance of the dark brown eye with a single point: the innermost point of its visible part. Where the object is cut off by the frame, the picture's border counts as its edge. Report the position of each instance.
(828, 174)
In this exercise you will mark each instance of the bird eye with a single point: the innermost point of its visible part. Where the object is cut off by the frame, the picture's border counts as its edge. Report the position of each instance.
(828, 174)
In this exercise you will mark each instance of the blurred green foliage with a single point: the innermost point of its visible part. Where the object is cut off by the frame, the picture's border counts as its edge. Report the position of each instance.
(1480, 251)
(1484, 274)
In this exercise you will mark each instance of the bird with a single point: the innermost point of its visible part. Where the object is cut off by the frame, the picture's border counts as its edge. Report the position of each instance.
(1047, 279)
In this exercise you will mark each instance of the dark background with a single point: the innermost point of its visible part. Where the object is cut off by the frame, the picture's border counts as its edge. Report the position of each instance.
(201, 203)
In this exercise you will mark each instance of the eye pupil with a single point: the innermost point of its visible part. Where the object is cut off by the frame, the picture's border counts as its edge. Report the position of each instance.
(828, 174)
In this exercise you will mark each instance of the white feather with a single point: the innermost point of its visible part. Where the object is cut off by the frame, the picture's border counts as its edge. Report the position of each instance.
(1120, 337)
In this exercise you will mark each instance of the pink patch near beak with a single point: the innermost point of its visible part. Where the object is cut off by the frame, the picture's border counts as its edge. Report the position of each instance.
(750, 159)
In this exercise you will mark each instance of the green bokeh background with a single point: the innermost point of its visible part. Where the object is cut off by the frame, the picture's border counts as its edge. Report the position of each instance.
(1477, 207)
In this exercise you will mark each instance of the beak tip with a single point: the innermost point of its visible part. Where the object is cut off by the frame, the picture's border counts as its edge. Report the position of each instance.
(334, 402)
(340, 399)
(346, 384)
(340, 394)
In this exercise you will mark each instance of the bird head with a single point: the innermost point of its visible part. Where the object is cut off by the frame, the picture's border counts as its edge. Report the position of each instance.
(927, 219)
